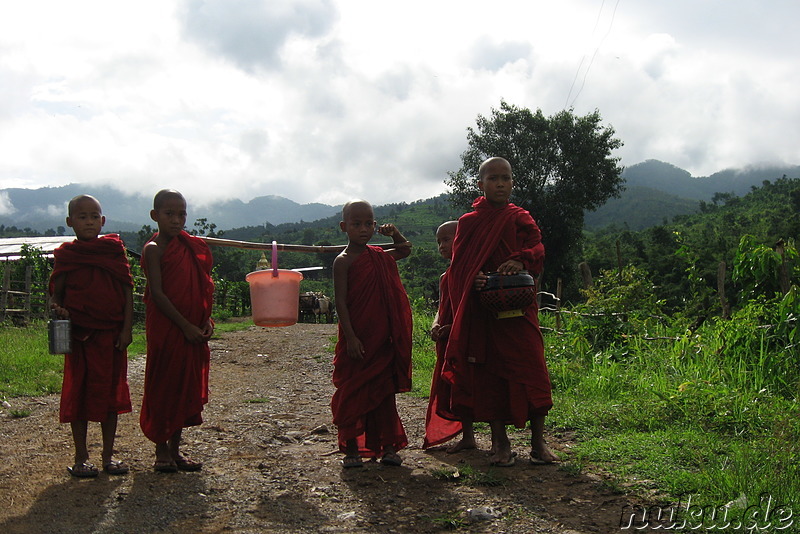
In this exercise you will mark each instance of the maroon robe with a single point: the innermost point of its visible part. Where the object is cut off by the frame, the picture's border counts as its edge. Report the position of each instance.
(363, 404)
(496, 366)
(176, 374)
(97, 275)
(440, 424)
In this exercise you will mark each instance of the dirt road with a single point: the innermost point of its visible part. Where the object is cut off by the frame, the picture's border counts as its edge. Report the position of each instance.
(271, 464)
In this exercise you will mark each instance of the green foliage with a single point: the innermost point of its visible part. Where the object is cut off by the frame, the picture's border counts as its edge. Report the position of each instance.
(760, 344)
(712, 412)
(757, 267)
(562, 167)
(421, 271)
(34, 257)
(617, 304)
(699, 242)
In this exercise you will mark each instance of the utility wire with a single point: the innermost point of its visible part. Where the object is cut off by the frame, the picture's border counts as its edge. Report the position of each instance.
(577, 72)
(597, 49)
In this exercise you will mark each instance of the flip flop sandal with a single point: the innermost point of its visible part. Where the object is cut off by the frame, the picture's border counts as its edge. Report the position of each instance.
(187, 464)
(163, 466)
(84, 470)
(510, 463)
(115, 468)
(391, 459)
(352, 461)
(537, 460)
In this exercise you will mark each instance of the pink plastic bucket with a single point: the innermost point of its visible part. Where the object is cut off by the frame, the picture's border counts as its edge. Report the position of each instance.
(274, 294)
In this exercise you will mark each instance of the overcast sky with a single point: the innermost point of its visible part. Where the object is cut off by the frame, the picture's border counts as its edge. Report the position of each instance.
(326, 100)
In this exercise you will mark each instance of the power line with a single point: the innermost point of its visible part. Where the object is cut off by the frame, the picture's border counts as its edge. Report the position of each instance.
(596, 22)
(597, 49)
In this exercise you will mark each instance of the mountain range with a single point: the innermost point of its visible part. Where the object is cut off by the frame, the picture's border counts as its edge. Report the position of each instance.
(655, 192)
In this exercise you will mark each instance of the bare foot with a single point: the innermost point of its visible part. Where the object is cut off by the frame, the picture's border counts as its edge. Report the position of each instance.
(462, 445)
(503, 459)
(543, 455)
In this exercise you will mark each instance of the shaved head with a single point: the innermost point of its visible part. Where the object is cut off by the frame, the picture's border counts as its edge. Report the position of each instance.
(349, 206)
(163, 195)
(491, 161)
(80, 198)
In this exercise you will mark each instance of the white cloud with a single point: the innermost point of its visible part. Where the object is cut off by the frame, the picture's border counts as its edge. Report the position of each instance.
(324, 100)
(6, 206)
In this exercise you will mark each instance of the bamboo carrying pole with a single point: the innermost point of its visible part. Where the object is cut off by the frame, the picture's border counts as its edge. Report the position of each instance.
(289, 248)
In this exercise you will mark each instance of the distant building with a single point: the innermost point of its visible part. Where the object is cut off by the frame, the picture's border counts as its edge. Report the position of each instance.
(11, 247)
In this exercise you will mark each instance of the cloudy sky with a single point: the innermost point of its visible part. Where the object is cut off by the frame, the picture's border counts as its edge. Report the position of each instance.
(326, 100)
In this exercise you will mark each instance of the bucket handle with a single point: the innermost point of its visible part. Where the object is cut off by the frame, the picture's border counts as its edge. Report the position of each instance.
(274, 259)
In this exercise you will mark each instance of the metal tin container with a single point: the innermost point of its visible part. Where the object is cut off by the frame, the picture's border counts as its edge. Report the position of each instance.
(59, 335)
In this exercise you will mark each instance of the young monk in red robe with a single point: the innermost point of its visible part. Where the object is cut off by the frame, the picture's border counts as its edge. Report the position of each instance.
(178, 297)
(91, 284)
(496, 366)
(441, 425)
(373, 355)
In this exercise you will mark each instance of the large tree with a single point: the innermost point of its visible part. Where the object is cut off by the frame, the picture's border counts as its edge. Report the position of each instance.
(563, 166)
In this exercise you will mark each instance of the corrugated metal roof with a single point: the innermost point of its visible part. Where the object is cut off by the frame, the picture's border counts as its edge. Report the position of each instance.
(10, 247)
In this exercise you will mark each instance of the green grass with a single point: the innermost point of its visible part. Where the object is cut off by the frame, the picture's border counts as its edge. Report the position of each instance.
(696, 415)
(686, 414)
(423, 352)
(467, 475)
(26, 367)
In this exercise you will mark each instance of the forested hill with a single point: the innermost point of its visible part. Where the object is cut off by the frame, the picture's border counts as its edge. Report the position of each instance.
(697, 243)
(655, 192)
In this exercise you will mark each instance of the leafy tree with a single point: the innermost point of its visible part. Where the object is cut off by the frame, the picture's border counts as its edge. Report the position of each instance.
(144, 235)
(203, 227)
(562, 167)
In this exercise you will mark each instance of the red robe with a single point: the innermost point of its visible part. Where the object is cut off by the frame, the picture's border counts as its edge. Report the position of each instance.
(496, 366)
(95, 373)
(363, 404)
(176, 374)
(440, 424)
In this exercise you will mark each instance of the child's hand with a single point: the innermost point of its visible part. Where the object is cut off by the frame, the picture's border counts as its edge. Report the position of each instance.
(61, 313)
(480, 281)
(193, 334)
(444, 331)
(510, 267)
(125, 338)
(208, 330)
(387, 229)
(355, 349)
(435, 328)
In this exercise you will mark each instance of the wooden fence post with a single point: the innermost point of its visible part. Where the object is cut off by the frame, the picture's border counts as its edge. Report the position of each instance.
(726, 308)
(558, 306)
(586, 274)
(784, 274)
(28, 289)
(6, 288)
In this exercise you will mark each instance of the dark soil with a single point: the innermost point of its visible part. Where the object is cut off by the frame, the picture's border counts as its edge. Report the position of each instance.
(271, 464)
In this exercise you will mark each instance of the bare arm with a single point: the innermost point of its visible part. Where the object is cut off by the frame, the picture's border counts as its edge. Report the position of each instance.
(126, 335)
(355, 349)
(152, 257)
(403, 250)
(57, 297)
